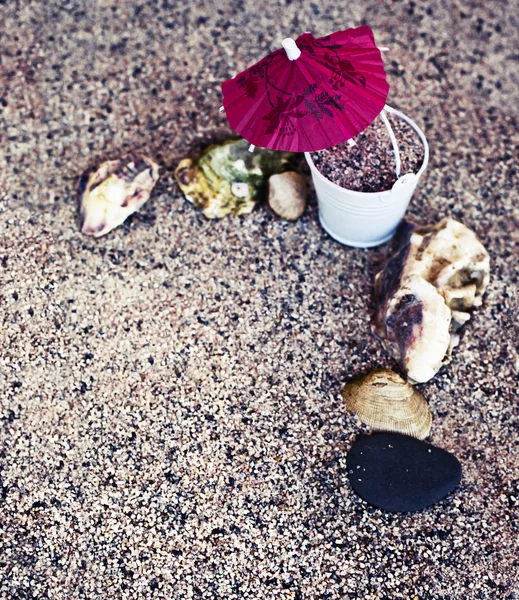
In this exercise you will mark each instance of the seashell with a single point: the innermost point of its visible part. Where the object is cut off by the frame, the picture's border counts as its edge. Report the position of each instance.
(109, 194)
(228, 179)
(287, 195)
(386, 402)
(419, 322)
(425, 293)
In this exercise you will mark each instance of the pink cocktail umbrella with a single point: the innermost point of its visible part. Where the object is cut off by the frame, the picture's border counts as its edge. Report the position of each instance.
(313, 94)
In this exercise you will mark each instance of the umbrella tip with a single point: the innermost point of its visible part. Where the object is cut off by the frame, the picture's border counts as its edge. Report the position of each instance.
(291, 49)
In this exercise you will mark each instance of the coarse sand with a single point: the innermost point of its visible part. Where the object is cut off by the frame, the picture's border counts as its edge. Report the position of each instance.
(171, 424)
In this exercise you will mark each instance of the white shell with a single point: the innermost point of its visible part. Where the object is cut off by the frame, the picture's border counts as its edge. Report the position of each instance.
(424, 294)
(111, 193)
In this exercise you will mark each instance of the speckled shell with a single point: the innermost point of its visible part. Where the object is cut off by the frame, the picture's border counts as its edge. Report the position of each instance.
(110, 193)
(386, 402)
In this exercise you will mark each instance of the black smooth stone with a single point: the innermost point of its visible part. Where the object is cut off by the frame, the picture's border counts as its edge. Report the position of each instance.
(399, 473)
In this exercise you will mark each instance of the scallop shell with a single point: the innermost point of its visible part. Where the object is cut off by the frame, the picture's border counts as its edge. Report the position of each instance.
(386, 402)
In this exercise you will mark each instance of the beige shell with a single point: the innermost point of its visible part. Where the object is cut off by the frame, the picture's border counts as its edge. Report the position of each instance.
(287, 195)
(386, 402)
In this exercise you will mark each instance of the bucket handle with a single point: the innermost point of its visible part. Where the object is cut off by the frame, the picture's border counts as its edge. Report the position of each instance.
(418, 131)
(394, 142)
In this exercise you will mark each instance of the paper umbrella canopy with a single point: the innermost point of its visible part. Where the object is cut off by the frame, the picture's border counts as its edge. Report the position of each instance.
(311, 94)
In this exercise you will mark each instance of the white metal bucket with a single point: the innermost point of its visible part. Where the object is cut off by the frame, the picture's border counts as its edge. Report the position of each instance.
(364, 219)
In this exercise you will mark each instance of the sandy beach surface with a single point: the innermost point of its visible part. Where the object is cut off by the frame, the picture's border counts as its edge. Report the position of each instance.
(171, 424)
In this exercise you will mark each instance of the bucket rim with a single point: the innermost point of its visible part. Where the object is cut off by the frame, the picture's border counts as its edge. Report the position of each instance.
(315, 171)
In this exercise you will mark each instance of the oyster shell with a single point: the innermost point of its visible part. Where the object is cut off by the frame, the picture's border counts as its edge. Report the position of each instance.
(386, 402)
(109, 194)
(228, 179)
(425, 292)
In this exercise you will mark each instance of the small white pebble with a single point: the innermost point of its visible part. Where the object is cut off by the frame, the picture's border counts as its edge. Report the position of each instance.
(240, 190)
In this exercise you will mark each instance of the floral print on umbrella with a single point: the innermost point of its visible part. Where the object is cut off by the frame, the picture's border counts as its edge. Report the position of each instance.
(320, 87)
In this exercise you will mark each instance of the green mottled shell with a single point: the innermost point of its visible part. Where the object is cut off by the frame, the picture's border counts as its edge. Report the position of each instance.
(208, 181)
